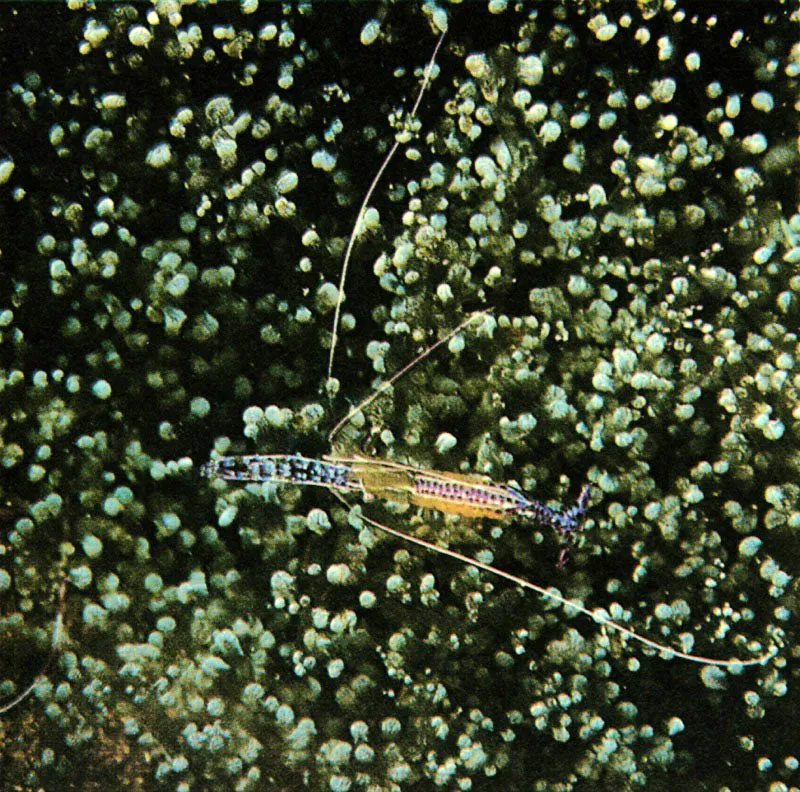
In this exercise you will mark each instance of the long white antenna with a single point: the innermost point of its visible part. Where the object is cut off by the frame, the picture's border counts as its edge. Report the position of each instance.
(396, 376)
(598, 615)
(362, 211)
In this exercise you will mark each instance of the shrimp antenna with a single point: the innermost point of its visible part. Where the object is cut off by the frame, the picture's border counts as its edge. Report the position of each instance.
(396, 376)
(365, 203)
(58, 626)
(598, 615)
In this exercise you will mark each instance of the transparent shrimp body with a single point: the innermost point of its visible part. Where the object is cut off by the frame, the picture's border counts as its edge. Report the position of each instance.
(470, 496)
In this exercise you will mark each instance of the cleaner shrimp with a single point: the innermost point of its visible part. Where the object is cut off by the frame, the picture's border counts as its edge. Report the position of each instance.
(470, 496)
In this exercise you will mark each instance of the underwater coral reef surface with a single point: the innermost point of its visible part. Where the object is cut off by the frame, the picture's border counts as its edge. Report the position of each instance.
(178, 183)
